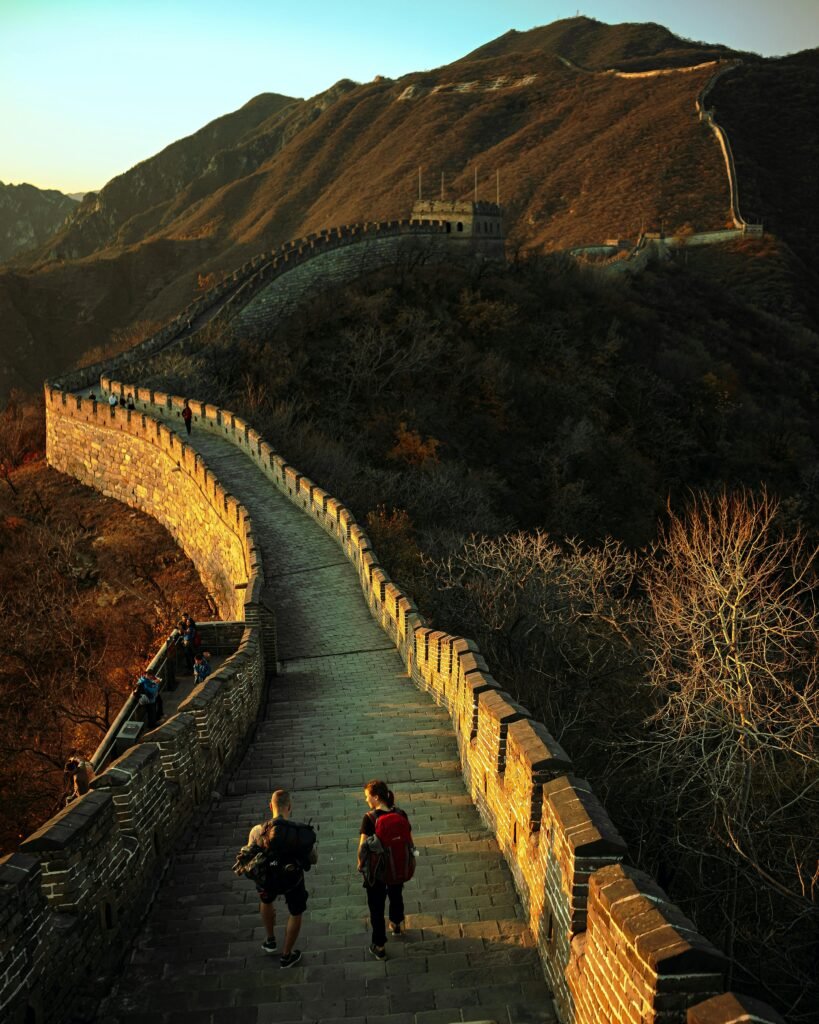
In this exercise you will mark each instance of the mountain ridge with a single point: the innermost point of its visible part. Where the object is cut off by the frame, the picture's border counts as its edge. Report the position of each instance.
(583, 155)
(29, 216)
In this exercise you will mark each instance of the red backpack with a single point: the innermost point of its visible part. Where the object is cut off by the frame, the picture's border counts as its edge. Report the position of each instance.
(394, 862)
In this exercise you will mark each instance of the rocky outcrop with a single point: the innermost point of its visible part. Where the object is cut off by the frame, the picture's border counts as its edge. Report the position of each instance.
(29, 216)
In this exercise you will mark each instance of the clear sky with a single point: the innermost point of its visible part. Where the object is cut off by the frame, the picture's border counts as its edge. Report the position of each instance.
(88, 88)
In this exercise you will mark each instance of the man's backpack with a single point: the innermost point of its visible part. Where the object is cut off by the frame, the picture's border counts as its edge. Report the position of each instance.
(277, 860)
(390, 853)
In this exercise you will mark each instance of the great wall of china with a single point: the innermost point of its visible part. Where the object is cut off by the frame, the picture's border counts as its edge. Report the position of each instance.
(74, 897)
(654, 246)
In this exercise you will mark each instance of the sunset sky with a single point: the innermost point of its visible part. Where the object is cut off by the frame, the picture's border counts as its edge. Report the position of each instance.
(91, 87)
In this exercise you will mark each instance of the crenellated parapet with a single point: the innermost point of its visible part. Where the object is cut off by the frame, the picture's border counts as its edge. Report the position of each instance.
(141, 462)
(74, 895)
(340, 255)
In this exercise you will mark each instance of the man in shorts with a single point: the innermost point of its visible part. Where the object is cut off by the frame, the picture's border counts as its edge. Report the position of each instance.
(287, 881)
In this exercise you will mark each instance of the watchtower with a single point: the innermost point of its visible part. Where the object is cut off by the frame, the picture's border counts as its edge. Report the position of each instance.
(478, 224)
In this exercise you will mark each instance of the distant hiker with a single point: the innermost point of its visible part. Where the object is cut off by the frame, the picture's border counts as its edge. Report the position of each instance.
(112, 400)
(201, 668)
(147, 689)
(190, 640)
(190, 625)
(187, 416)
(131, 402)
(277, 854)
(122, 401)
(79, 774)
(386, 859)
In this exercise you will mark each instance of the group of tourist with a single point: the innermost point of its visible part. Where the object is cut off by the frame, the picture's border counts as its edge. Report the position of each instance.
(128, 403)
(113, 401)
(197, 664)
(148, 692)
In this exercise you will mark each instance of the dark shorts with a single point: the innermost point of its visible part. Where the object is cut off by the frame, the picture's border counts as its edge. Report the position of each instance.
(295, 898)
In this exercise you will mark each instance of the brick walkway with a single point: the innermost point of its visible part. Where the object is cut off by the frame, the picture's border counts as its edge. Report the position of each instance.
(341, 711)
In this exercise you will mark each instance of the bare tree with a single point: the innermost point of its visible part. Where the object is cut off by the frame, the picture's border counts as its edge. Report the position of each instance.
(373, 358)
(733, 671)
(555, 622)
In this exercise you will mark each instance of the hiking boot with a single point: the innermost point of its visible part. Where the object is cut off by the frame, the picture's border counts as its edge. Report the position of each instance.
(378, 952)
(269, 945)
(291, 959)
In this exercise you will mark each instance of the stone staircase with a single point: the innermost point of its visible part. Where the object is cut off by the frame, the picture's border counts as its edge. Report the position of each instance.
(341, 711)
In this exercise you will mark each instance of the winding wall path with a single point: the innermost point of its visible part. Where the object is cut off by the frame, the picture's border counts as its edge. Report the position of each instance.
(341, 711)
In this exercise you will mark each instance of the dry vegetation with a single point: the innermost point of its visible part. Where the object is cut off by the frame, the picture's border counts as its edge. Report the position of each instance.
(88, 590)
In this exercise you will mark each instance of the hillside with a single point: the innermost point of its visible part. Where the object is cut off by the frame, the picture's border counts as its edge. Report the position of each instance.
(583, 155)
(29, 216)
(148, 198)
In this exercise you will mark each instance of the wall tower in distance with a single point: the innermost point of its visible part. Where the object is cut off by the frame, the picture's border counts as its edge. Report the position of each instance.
(479, 224)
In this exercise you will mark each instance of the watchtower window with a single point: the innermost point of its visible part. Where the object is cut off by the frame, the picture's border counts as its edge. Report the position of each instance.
(460, 226)
(448, 228)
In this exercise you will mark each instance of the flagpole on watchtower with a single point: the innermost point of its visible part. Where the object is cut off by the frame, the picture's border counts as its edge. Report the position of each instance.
(442, 185)
(420, 196)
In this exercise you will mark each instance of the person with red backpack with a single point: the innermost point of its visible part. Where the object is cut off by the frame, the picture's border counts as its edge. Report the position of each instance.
(386, 859)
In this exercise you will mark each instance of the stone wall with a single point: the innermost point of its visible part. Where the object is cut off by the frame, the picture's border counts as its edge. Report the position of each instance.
(724, 143)
(346, 254)
(613, 946)
(73, 896)
(142, 463)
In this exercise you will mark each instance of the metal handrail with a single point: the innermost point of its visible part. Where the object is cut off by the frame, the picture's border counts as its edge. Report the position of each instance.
(157, 666)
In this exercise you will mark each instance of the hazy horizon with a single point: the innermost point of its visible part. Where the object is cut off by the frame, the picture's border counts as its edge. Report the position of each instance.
(114, 85)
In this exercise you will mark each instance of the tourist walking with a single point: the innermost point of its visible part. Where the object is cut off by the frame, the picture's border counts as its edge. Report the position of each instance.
(386, 859)
(190, 640)
(147, 689)
(113, 400)
(289, 850)
(187, 416)
(201, 667)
